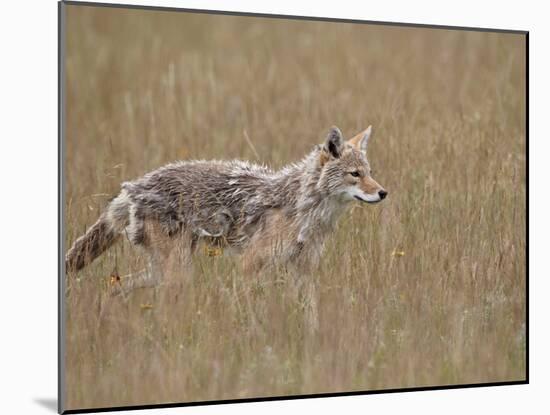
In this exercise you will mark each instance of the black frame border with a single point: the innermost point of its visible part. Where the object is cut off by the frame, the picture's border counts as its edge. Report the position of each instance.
(61, 210)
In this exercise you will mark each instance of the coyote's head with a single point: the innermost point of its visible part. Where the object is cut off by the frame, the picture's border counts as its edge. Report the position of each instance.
(345, 171)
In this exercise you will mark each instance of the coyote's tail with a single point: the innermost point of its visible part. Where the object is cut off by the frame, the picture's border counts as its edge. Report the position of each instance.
(89, 246)
(100, 236)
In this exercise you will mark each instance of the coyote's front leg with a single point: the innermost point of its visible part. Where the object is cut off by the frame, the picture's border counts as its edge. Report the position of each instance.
(297, 260)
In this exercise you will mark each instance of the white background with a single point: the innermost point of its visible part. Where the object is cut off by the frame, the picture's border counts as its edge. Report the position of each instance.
(28, 205)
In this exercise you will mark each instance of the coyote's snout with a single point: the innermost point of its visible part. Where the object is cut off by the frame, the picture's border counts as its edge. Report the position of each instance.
(270, 217)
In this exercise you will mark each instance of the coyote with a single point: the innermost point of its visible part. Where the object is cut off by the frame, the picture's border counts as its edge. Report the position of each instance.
(269, 217)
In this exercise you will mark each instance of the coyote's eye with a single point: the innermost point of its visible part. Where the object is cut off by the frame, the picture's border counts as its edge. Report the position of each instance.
(354, 173)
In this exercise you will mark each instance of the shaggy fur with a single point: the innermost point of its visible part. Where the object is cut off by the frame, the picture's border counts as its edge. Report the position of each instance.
(271, 217)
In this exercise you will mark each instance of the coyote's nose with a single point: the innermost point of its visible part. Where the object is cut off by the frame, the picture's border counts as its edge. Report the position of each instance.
(382, 194)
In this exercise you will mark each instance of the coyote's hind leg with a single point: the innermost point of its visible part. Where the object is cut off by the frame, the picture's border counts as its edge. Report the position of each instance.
(151, 276)
(157, 247)
(165, 255)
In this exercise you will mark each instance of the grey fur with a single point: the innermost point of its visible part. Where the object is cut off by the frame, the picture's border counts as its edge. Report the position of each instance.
(268, 215)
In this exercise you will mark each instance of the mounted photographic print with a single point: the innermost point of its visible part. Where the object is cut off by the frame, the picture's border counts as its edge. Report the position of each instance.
(260, 207)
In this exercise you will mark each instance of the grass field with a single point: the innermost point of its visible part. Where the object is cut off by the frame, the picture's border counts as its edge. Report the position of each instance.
(426, 288)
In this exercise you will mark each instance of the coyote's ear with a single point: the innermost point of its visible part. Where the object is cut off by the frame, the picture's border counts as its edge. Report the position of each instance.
(334, 143)
(360, 140)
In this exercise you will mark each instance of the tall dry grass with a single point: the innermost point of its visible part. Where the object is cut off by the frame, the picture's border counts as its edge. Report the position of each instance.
(426, 288)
